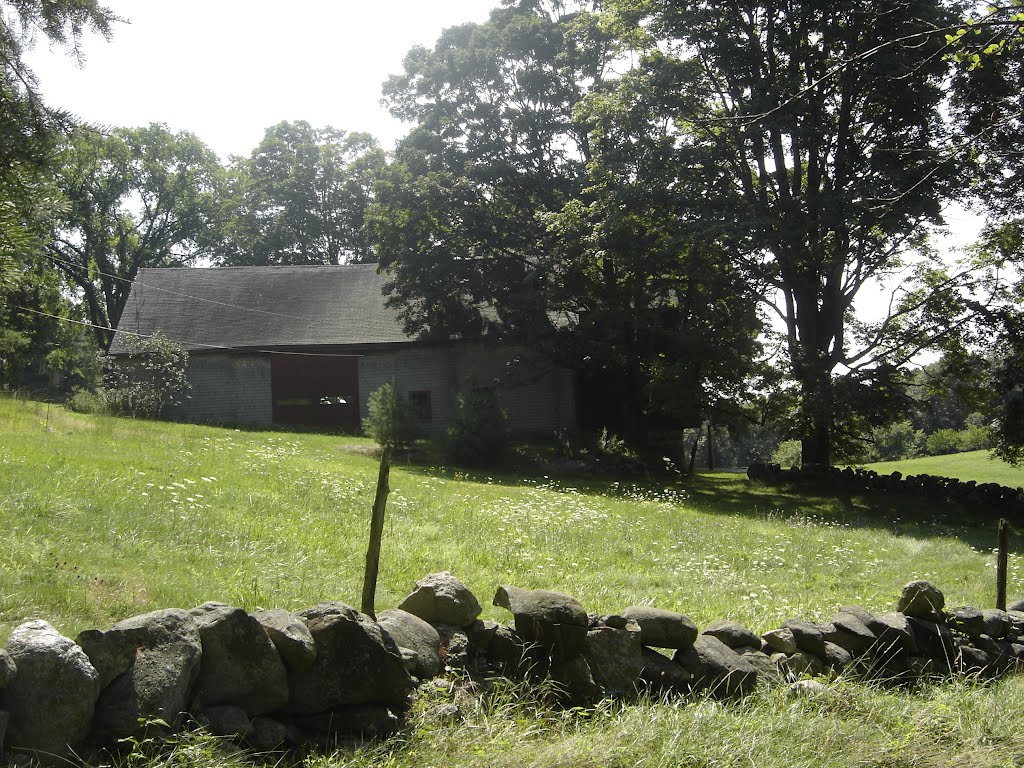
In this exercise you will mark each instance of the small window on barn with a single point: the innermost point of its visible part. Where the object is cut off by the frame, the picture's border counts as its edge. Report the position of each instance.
(420, 402)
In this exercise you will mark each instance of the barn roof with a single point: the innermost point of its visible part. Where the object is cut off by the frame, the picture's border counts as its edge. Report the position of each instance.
(260, 307)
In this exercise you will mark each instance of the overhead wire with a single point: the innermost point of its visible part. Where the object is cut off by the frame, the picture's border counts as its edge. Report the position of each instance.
(148, 286)
(221, 347)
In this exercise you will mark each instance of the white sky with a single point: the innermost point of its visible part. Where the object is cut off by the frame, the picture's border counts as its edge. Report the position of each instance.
(228, 69)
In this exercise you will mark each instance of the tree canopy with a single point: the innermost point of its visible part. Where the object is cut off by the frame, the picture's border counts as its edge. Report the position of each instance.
(134, 198)
(824, 123)
(989, 102)
(301, 198)
(500, 216)
(29, 133)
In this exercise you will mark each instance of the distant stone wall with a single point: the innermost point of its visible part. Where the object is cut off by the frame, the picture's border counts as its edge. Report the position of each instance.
(859, 479)
(275, 679)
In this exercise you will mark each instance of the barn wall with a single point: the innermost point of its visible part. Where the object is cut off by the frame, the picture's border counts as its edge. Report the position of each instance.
(237, 388)
(538, 401)
(227, 388)
(424, 369)
(536, 404)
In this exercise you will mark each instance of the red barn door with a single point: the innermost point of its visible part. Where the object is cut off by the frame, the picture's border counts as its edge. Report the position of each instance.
(316, 390)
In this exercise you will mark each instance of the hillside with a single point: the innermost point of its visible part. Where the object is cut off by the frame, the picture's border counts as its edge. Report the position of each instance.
(973, 465)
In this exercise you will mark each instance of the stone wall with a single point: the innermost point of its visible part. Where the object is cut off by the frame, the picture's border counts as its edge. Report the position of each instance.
(858, 480)
(275, 679)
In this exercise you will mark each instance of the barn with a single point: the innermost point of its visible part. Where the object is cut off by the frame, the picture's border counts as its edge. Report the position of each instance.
(306, 345)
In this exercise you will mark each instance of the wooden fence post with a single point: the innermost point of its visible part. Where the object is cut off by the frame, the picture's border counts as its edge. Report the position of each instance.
(380, 501)
(1001, 557)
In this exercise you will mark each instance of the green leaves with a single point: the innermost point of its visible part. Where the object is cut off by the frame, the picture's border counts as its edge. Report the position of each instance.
(136, 197)
(149, 379)
(301, 197)
(541, 199)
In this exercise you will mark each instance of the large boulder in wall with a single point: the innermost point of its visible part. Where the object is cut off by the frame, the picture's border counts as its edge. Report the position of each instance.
(733, 634)
(660, 628)
(921, 600)
(357, 662)
(615, 657)
(240, 664)
(440, 598)
(412, 633)
(717, 668)
(554, 623)
(574, 682)
(290, 636)
(148, 665)
(52, 698)
(662, 675)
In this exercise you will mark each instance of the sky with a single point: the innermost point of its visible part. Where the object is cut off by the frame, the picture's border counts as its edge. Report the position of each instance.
(226, 70)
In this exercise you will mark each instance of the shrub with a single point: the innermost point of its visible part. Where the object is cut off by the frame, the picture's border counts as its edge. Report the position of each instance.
(613, 445)
(897, 441)
(84, 400)
(478, 434)
(391, 419)
(943, 441)
(149, 379)
(977, 438)
(788, 454)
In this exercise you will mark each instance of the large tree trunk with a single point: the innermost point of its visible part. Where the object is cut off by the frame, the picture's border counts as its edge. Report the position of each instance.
(816, 447)
(815, 323)
(817, 414)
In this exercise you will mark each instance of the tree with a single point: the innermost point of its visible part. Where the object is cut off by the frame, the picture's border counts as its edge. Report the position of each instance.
(390, 419)
(27, 125)
(461, 211)
(301, 197)
(497, 218)
(478, 433)
(1001, 331)
(29, 287)
(989, 105)
(827, 122)
(646, 270)
(988, 102)
(29, 130)
(1009, 432)
(136, 197)
(947, 391)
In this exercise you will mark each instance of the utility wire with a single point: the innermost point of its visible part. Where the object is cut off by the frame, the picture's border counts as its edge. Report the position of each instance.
(191, 343)
(150, 287)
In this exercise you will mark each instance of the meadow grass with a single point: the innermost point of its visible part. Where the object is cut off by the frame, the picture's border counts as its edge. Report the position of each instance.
(954, 723)
(972, 465)
(106, 518)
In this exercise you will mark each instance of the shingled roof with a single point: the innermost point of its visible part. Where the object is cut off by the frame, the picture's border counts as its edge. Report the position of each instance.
(261, 307)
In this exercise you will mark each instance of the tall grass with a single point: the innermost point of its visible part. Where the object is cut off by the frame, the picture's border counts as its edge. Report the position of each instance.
(960, 723)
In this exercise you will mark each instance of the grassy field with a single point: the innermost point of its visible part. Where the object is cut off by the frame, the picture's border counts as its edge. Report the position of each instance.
(973, 465)
(106, 518)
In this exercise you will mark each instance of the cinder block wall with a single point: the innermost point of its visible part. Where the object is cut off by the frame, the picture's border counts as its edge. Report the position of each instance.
(227, 388)
(535, 407)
